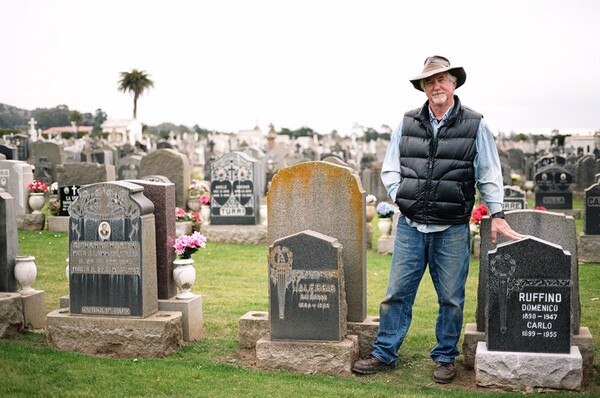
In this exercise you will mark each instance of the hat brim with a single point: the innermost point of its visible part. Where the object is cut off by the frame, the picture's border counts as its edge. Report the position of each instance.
(457, 71)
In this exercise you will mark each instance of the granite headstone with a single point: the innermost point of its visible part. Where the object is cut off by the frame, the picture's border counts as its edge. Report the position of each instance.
(514, 199)
(173, 165)
(553, 188)
(592, 210)
(15, 176)
(9, 242)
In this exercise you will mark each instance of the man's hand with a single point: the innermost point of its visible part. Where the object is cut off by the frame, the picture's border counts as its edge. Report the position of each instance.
(500, 226)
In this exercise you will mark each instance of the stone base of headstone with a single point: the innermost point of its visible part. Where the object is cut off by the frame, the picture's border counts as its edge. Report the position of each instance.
(583, 341)
(525, 371)
(385, 245)
(58, 224)
(366, 332)
(191, 311)
(64, 302)
(34, 310)
(12, 321)
(253, 234)
(31, 222)
(157, 335)
(331, 358)
(588, 248)
(253, 326)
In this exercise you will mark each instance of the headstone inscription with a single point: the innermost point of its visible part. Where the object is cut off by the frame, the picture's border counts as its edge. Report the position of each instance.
(112, 257)
(328, 199)
(514, 199)
(9, 242)
(306, 288)
(553, 188)
(529, 297)
(235, 190)
(592, 210)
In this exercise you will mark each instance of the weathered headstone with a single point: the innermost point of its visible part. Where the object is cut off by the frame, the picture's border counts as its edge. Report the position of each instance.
(52, 152)
(9, 242)
(128, 168)
(328, 199)
(514, 199)
(553, 188)
(586, 170)
(529, 297)
(235, 190)
(75, 175)
(592, 210)
(112, 252)
(9, 151)
(42, 171)
(306, 288)
(15, 176)
(547, 161)
(173, 165)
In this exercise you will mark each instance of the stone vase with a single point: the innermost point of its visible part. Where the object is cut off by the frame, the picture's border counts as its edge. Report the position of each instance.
(184, 275)
(36, 201)
(194, 203)
(183, 228)
(371, 211)
(205, 214)
(25, 273)
(385, 226)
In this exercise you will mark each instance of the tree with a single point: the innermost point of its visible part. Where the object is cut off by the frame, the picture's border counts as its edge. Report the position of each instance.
(75, 116)
(99, 118)
(136, 82)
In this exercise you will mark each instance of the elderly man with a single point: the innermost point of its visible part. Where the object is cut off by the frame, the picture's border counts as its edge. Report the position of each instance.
(436, 157)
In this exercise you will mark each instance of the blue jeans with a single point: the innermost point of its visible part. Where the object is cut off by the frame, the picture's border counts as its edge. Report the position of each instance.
(447, 253)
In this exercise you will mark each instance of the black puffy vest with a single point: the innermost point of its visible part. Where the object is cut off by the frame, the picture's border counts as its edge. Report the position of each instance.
(438, 177)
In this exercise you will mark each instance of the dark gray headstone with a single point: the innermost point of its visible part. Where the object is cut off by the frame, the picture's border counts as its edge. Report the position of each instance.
(128, 168)
(516, 159)
(9, 242)
(162, 195)
(67, 195)
(21, 142)
(552, 227)
(592, 210)
(553, 188)
(50, 151)
(173, 165)
(76, 175)
(10, 151)
(548, 161)
(306, 288)
(529, 297)
(235, 190)
(586, 170)
(112, 252)
(42, 171)
(514, 199)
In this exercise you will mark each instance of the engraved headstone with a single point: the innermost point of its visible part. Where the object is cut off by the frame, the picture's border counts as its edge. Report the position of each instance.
(42, 171)
(9, 242)
(173, 165)
(128, 167)
(592, 210)
(553, 188)
(75, 175)
(328, 199)
(514, 199)
(50, 151)
(306, 288)
(112, 255)
(548, 161)
(529, 297)
(15, 176)
(235, 190)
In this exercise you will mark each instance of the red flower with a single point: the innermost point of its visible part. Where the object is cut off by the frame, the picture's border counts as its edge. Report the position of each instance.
(478, 213)
(540, 208)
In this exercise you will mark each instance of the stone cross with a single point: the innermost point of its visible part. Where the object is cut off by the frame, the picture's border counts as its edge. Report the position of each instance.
(32, 131)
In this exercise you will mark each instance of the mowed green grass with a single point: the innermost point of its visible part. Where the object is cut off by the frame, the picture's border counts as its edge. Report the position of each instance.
(232, 279)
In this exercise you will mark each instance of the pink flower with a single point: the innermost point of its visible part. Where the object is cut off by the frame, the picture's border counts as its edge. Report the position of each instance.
(186, 245)
(205, 199)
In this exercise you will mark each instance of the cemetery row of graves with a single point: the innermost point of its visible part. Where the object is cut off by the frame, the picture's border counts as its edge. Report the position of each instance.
(120, 207)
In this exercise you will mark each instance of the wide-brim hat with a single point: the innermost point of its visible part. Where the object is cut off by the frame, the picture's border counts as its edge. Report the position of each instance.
(438, 64)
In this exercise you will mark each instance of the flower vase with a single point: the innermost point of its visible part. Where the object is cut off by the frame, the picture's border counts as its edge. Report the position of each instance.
(194, 203)
(370, 210)
(183, 228)
(384, 225)
(184, 275)
(205, 214)
(25, 273)
(36, 201)
(263, 214)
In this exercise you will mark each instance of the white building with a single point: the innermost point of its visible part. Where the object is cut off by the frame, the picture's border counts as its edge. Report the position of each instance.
(123, 130)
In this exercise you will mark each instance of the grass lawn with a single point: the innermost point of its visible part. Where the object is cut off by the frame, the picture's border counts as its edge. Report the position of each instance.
(233, 280)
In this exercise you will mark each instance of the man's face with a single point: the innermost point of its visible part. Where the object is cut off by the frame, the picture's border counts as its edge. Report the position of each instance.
(439, 89)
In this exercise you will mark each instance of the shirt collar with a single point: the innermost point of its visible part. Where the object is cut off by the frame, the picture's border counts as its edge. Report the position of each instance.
(432, 118)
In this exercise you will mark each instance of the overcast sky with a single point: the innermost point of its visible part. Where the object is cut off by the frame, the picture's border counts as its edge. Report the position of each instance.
(532, 66)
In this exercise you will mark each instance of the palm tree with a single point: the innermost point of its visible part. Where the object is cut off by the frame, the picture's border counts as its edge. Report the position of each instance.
(136, 81)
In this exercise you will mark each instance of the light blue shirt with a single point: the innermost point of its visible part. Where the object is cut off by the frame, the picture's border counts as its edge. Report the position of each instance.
(488, 173)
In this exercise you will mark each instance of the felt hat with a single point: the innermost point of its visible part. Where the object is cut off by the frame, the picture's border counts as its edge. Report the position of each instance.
(438, 64)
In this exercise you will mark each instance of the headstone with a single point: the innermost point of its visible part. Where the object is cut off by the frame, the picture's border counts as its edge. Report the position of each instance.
(592, 210)
(173, 165)
(555, 228)
(73, 154)
(516, 160)
(157, 178)
(50, 151)
(548, 161)
(586, 170)
(15, 176)
(75, 175)
(128, 168)
(9, 151)
(42, 171)
(553, 188)
(112, 252)
(162, 195)
(235, 190)
(306, 288)
(21, 142)
(328, 199)
(514, 199)
(9, 242)
(529, 297)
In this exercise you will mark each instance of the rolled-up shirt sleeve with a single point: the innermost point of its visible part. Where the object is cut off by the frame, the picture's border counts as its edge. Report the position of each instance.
(390, 170)
(488, 171)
